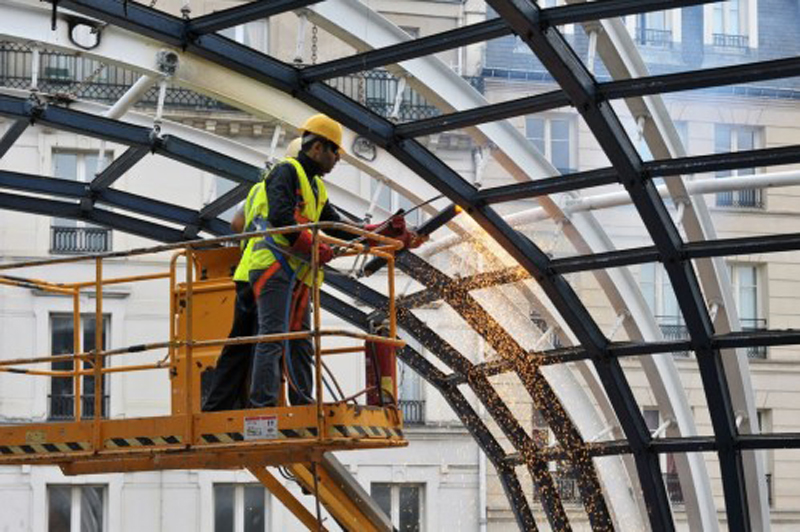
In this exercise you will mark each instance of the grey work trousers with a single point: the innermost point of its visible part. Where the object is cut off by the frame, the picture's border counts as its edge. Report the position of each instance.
(272, 303)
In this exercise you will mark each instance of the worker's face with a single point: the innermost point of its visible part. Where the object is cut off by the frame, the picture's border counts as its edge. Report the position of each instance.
(326, 154)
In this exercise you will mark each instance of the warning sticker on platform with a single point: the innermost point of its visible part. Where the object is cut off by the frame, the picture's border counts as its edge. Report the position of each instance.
(261, 428)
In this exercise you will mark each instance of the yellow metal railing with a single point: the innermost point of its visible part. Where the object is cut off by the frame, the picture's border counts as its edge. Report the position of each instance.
(382, 247)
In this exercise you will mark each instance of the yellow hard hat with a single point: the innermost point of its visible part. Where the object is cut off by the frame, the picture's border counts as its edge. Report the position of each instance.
(293, 149)
(325, 127)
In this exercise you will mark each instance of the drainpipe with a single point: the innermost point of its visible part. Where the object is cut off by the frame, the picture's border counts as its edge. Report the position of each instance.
(482, 470)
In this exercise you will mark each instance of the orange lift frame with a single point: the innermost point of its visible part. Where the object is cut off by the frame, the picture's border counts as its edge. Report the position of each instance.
(294, 436)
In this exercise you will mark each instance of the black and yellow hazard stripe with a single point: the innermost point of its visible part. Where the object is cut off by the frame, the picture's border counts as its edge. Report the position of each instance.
(45, 448)
(141, 441)
(283, 434)
(363, 431)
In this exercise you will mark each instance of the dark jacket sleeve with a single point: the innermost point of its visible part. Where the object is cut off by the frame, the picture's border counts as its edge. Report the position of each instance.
(330, 214)
(282, 185)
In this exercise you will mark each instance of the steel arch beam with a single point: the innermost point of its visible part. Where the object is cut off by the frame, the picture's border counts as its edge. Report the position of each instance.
(62, 209)
(480, 384)
(487, 442)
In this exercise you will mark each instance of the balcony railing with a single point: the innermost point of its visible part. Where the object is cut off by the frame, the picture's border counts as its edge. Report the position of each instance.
(674, 491)
(566, 487)
(746, 198)
(413, 412)
(73, 75)
(731, 41)
(377, 90)
(62, 407)
(76, 240)
(673, 329)
(755, 352)
(654, 37)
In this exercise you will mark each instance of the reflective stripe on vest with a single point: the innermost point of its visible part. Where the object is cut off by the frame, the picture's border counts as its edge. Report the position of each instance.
(257, 255)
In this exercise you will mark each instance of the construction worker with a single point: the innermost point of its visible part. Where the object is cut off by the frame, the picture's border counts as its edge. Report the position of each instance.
(231, 378)
(293, 193)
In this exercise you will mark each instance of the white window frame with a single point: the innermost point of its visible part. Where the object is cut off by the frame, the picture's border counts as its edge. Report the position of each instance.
(394, 494)
(239, 34)
(734, 272)
(758, 143)
(75, 502)
(238, 505)
(672, 22)
(81, 173)
(548, 136)
(107, 330)
(748, 21)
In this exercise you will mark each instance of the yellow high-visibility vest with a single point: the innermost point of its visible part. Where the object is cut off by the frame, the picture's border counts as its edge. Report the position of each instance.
(257, 254)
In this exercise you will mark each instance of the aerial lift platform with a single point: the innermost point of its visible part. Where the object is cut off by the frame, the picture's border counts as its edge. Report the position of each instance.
(299, 438)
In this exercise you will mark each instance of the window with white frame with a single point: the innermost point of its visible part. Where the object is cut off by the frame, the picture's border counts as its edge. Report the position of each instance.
(660, 297)
(72, 236)
(554, 137)
(410, 390)
(659, 29)
(402, 503)
(76, 508)
(240, 508)
(747, 295)
(732, 25)
(652, 418)
(731, 138)
(254, 34)
(391, 201)
(62, 392)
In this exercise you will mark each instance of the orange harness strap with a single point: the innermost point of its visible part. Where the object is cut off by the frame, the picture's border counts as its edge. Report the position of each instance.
(258, 286)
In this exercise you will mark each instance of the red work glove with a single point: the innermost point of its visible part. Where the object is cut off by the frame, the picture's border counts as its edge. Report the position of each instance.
(395, 227)
(305, 241)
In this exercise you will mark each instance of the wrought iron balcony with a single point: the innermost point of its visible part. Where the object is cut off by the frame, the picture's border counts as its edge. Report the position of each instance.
(673, 328)
(62, 407)
(377, 90)
(755, 352)
(654, 37)
(674, 491)
(413, 411)
(746, 198)
(731, 41)
(77, 240)
(566, 486)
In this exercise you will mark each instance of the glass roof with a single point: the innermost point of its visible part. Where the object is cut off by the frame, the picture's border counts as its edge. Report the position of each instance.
(568, 255)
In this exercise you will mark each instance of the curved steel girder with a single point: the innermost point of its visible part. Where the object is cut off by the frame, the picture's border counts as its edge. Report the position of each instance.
(113, 198)
(62, 209)
(618, 52)
(542, 394)
(459, 404)
(479, 383)
(572, 75)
